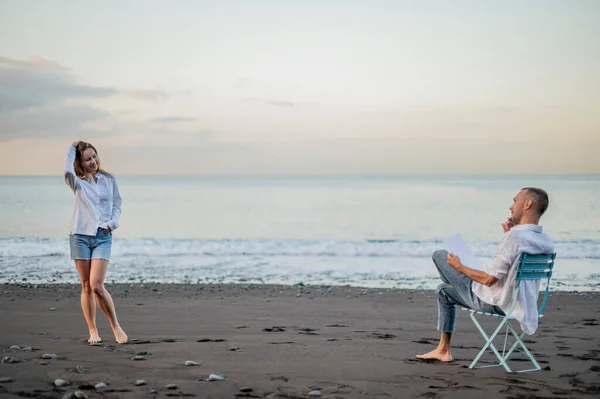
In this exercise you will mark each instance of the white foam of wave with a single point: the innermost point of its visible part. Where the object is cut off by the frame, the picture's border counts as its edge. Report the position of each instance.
(48, 247)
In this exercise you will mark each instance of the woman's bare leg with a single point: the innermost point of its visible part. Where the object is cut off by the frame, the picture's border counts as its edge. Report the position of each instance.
(97, 274)
(88, 300)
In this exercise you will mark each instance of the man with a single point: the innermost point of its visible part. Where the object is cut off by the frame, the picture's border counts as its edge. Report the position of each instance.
(493, 290)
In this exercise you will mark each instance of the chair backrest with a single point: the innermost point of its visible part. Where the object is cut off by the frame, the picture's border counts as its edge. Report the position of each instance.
(535, 267)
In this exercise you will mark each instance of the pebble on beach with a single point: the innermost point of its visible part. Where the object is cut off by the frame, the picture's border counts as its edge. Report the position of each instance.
(171, 386)
(191, 363)
(71, 395)
(137, 358)
(61, 383)
(140, 382)
(100, 385)
(216, 377)
(4, 380)
(235, 349)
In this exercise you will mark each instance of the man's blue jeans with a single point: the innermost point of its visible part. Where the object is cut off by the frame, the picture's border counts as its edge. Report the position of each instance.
(455, 290)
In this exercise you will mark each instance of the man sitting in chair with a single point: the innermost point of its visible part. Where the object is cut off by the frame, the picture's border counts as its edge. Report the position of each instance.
(493, 290)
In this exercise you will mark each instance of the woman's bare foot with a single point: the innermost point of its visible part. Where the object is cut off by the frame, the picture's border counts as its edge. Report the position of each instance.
(442, 356)
(94, 337)
(120, 335)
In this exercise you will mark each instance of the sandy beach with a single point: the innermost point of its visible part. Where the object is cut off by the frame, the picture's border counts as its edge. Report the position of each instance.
(279, 342)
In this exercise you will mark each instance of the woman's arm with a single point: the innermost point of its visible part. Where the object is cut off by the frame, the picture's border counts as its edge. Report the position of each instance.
(113, 223)
(70, 176)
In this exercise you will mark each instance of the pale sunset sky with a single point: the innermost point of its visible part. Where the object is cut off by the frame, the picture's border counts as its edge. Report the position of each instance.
(302, 87)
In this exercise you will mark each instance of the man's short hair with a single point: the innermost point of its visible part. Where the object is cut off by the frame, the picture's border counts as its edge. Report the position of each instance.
(539, 197)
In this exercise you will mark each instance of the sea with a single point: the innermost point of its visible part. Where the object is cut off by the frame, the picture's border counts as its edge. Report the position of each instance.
(367, 231)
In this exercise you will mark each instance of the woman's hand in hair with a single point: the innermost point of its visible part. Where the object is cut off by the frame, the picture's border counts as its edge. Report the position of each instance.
(76, 143)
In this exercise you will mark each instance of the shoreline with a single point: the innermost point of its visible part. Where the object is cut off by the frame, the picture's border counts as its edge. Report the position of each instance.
(251, 285)
(282, 341)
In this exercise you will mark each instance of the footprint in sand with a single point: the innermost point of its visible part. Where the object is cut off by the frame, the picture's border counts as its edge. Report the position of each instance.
(330, 387)
(308, 331)
(278, 377)
(423, 341)
(275, 329)
(381, 336)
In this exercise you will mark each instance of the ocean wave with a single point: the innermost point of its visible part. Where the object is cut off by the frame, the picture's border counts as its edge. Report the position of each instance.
(56, 247)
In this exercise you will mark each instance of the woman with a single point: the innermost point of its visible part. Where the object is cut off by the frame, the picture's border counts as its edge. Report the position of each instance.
(95, 217)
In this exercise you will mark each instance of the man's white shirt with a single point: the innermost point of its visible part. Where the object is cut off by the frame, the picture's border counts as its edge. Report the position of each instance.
(526, 238)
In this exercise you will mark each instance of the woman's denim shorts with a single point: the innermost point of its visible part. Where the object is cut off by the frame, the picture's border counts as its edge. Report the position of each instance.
(91, 247)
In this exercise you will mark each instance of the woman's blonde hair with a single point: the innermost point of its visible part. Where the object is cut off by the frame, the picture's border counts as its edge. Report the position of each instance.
(78, 164)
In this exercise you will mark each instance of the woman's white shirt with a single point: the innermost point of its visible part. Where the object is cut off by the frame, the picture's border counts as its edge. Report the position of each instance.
(97, 203)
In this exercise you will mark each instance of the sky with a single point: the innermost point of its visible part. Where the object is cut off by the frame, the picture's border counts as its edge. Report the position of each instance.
(302, 87)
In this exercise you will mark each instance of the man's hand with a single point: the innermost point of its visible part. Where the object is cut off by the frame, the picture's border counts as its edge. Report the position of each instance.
(454, 261)
(475, 275)
(506, 226)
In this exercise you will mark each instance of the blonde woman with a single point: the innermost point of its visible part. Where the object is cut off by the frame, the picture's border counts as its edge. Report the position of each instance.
(95, 217)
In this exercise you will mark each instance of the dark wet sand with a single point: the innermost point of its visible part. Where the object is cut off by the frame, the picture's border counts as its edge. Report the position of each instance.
(344, 342)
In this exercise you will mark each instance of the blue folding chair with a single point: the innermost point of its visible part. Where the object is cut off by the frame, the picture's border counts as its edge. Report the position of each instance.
(530, 267)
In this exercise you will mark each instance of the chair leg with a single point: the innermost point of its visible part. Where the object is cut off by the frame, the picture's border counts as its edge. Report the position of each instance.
(514, 346)
(489, 343)
(519, 341)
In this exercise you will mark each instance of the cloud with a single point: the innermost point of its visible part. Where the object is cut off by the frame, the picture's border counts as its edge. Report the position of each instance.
(173, 119)
(50, 122)
(38, 63)
(39, 98)
(147, 95)
(37, 82)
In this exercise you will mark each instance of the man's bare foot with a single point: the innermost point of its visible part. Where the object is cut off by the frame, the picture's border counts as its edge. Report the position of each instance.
(94, 337)
(120, 335)
(436, 355)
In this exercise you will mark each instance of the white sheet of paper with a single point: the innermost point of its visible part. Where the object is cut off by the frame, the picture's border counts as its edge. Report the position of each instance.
(457, 245)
